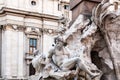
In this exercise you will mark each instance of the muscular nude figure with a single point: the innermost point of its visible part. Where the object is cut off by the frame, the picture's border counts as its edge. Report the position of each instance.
(61, 59)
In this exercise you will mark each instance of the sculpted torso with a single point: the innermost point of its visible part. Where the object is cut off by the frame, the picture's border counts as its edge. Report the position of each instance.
(59, 56)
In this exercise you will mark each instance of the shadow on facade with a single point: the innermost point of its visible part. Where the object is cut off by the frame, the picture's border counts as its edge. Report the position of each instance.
(31, 70)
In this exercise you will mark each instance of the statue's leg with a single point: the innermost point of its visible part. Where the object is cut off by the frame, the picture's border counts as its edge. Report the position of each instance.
(86, 68)
(69, 63)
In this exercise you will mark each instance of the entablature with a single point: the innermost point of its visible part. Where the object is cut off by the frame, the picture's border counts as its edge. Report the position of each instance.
(6, 11)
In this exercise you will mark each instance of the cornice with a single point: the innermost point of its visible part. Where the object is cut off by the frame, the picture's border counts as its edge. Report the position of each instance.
(6, 10)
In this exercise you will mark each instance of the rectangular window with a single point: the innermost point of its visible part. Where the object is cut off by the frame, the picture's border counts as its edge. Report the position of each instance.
(66, 7)
(32, 45)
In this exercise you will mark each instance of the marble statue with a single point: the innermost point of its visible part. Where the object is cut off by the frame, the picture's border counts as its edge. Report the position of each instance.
(65, 62)
(71, 53)
(38, 62)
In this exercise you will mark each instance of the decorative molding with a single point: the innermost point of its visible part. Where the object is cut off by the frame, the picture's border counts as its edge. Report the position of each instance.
(30, 30)
(6, 10)
(50, 31)
(38, 31)
(33, 31)
(20, 28)
(14, 27)
(8, 27)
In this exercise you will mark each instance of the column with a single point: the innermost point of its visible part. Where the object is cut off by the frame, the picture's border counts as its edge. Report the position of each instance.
(6, 52)
(21, 53)
(14, 53)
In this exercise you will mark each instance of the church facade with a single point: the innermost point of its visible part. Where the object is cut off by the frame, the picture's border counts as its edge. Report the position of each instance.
(26, 26)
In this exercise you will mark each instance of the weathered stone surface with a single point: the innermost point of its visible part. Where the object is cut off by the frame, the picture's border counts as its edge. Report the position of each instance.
(87, 50)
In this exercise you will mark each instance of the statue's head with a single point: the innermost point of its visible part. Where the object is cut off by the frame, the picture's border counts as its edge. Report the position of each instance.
(59, 42)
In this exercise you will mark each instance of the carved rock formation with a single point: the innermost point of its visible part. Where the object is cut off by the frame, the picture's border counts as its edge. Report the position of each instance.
(86, 50)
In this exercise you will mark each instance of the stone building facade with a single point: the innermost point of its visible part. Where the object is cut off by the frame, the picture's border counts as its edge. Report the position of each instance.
(25, 26)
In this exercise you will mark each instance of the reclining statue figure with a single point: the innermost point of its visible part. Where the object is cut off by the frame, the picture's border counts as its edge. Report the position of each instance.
(62, 60)
(63, 63)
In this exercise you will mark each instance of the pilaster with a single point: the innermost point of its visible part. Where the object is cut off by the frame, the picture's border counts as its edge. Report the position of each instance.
(13, 51)
(6, 51)
(20, 53)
